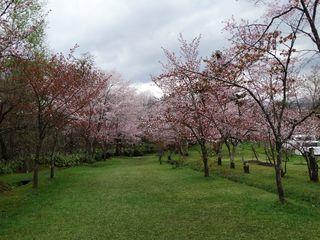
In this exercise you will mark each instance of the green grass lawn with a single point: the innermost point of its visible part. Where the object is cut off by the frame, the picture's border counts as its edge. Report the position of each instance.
(136, 198)
(296, 182)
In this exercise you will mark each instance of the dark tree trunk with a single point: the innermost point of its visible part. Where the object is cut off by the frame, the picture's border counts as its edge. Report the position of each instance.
(231, 151)
(278, 169)
(170, 155)
(306, 157)
(105, 150)
(279, 184)
(90, 145)
(314, 177)
(270, 151)
(92, 150)
(186, 152)
(4, 152)
(36, 174)
(71, 143)
(255, 153)
(284, 170)
(52, 162)
(36, 163)
(52, 165)
(232, 165)
(204, 153)
(183, 148)
(267, 154)
(118, 147)
(160, 155)
(88, 149)
(246, 167)
(218, 149)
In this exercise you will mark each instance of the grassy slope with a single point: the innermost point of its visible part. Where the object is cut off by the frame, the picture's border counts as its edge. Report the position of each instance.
(296, 182)
(138, 199)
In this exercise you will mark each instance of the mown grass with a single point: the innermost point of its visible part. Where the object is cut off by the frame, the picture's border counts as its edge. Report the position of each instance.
(136, 198)
(296, 182)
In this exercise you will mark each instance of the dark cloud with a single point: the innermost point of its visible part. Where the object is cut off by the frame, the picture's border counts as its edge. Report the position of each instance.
(127, 35)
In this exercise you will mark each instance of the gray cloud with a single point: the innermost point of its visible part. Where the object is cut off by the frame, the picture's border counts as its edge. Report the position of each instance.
(127, 35)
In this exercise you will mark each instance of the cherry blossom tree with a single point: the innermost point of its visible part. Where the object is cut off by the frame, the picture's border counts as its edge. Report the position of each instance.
(60, 86)
(112, 118)
(267, 68)
(300, 16)
(232, 115)
(159, 128)
(21, 27)
(184, 93)
(268, 73)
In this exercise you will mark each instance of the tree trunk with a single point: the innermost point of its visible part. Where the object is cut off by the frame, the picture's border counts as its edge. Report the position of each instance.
(314, 177)
(204, 153)
(255, 153)
(52, 163)
(306, 157)
(118, 147)
(88, 149)
(183, 148)
(186, 148)
(105, 150)
(279, 184)
(160, 154)
(270, 153)
(229, 150)
(69, 145)
(180, 148)
(246, 167)
(233, 152)
(36, 174)
(170, 155)
(219, 160)
(4, 152)
(92, 150)
(90, 145)
(284, 170)
(278, 169)
(36, 163)
(218, 150)
(267, 154)
(52, 169)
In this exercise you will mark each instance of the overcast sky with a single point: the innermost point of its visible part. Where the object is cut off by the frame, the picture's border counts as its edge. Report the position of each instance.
(127, 35)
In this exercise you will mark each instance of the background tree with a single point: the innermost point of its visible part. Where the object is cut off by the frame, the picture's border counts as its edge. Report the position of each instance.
(184, 92)
(60, 87)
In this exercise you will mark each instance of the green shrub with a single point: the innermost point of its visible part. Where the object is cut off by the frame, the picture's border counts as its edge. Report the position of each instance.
(11, 167)
(137, 153)
(128, 153)
(100, 156)
(71, 160)
(6, 168)
(107, 155)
